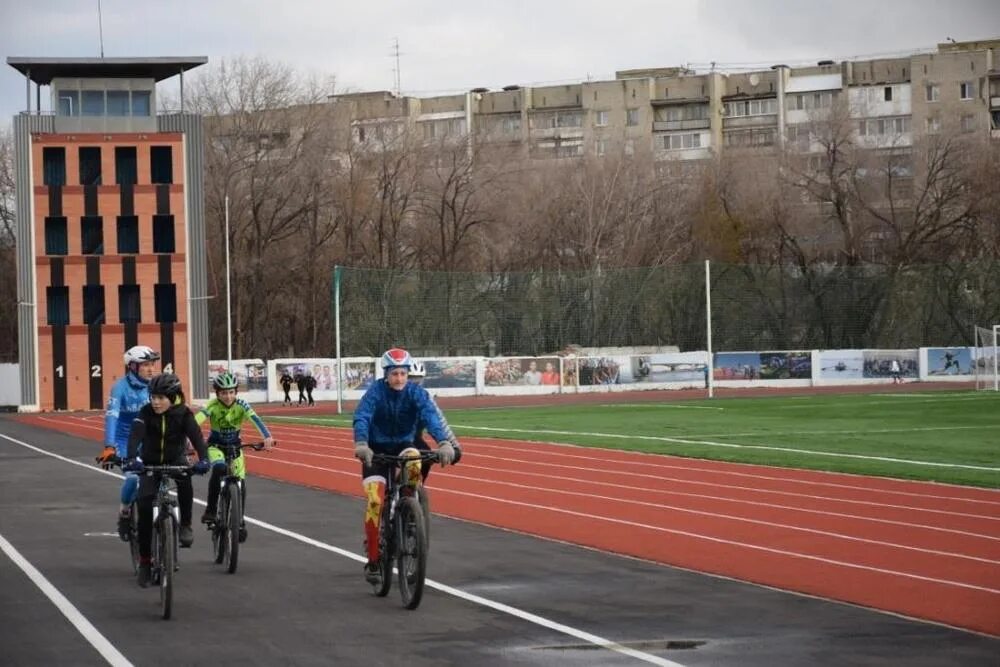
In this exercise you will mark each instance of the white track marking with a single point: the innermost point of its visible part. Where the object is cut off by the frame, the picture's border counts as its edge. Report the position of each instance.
(710, 443)
(627, 474)
(72, 614)
(470, 597)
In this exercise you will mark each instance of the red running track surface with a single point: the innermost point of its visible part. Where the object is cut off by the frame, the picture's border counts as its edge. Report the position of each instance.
(928, 551)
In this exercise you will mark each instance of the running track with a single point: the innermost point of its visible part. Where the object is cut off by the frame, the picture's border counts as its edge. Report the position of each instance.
(928, 551)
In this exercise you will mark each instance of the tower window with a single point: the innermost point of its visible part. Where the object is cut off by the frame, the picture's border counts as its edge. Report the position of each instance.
(128, 235)
(163, 233)
(161, 164)
(54, 166)
(129, 304)
(165, 302)
(90, 165)
(93, 304)
(92, 235)
(126, 172)
(57, 302)
(56, 238)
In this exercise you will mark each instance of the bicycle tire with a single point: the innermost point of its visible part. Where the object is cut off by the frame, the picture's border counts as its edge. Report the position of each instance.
(386, 549)
(411, 552)
(219, 525)
(133, 537)
(167, 546)
(425, 505)
(233, 527)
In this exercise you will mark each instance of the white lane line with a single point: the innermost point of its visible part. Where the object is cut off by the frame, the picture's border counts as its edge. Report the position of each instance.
(668, 462)
(708, 443)
(444, 588)
(72, 614)
(675, 531)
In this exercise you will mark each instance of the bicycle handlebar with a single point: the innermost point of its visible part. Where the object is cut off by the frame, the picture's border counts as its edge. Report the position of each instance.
(166, 469)
(256, 446)
(395, 458)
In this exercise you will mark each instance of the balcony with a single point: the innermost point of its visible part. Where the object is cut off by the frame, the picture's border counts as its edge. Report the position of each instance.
(672, 125)
(995, 101)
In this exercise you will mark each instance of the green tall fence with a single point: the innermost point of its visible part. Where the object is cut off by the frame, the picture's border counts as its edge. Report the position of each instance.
(753, 308)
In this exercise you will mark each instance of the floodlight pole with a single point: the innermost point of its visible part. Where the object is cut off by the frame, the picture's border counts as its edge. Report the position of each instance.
(710, 381)
(229, 301)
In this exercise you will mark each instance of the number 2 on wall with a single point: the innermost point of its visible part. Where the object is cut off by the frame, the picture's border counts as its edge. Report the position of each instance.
(95, 371)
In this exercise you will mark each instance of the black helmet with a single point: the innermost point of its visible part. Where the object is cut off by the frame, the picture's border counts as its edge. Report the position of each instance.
(165, 384)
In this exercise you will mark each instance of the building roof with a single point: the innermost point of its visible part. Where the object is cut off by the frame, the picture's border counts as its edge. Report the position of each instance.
(43, 70)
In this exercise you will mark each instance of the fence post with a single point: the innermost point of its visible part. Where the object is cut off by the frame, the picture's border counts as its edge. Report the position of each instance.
(336, 326)
(708, 328)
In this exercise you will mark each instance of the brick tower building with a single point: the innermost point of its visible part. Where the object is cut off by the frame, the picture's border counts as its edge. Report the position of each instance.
(111, 237)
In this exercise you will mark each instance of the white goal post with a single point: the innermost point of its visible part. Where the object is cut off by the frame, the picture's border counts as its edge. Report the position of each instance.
(987, 358)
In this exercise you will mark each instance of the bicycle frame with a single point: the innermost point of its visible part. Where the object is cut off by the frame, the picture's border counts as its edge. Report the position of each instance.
(402, 532)
(165, 532)
(227, 522)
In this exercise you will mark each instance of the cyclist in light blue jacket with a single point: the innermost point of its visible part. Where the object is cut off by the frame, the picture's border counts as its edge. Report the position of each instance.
(128, 395)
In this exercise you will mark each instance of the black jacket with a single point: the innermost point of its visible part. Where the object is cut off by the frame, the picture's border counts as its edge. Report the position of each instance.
(162, 439)
(286, 381)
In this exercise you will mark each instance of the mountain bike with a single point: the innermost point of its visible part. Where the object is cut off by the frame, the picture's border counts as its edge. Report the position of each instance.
(165, 527)
(402, 532)
(227, 524)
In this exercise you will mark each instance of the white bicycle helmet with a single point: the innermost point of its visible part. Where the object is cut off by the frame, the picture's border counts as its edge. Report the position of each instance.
(140, 354)
(417, 370)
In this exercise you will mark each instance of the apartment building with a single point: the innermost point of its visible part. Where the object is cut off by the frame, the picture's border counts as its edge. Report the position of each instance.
(111, 249)
(675, 114)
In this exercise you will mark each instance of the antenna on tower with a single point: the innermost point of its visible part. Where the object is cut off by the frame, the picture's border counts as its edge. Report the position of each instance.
(396, 75)
(100, 25)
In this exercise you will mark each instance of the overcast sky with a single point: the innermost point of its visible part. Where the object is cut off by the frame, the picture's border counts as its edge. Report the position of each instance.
(449, 46)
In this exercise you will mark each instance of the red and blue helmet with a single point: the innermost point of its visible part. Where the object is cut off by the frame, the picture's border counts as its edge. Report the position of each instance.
(396, 357)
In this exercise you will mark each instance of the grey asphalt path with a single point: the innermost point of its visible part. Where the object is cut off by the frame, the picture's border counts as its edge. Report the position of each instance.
(293, 602)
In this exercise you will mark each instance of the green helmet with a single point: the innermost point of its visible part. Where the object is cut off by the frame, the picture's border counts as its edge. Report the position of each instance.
(224, 381)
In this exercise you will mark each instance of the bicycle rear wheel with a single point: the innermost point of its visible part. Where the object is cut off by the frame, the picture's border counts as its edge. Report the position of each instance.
(219, 540)
(386, 547)
(232, 519)
(411, 559)
(165, 556)
(133, 537)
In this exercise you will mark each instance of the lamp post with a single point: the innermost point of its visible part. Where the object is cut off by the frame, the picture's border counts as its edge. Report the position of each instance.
(229, 303)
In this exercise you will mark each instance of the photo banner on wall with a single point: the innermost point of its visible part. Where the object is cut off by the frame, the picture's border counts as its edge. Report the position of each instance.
(878, 363)
(321, 373)
(949, 361)
(686, 367)
(736, 366)
(450, 373)
(526, 371)
(250, 374)
(785, 365)
(841, 364)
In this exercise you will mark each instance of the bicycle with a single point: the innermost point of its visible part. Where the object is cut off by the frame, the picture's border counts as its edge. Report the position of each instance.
(402, 532)
(165, 528)
(225, 527)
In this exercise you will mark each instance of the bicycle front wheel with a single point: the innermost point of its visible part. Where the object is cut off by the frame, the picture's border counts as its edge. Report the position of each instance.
(165, 557)
(232, 519)
(411, 558)
(219, 540)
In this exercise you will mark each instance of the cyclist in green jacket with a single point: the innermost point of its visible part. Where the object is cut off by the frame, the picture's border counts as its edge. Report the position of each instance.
(226, 414)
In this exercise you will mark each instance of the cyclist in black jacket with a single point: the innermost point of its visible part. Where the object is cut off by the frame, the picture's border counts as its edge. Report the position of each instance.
(159, 437)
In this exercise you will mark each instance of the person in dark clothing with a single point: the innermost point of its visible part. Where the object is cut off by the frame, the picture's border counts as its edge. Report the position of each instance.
(159, 436)
(286, 383)
(300, 384)
(310, 385)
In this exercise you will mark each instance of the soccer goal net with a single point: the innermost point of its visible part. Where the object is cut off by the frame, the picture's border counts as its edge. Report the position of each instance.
(986, 358)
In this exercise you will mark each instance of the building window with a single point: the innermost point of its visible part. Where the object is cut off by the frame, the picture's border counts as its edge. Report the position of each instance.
(118, 103)
(161, 164)
(632, 117)
(511, 124)
(966, 90)
(56, 238)
(69, 102)
(92, 103)
(163, 233)
(887, 93)
(57, 305)
(129, 304)
(54, 166)
(933, 125)
(92, 227)
(165, 302)
(600, 118)
(676, 142)
(93, 304)
(90, 165)
(126, 171)
(968, 123)
(932, 92)
(140, 103)
(128, 235)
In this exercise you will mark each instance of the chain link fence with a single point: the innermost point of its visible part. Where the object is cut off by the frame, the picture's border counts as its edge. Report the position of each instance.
(753, 308)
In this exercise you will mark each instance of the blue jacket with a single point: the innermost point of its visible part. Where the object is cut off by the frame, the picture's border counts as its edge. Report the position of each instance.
(128, 395)
(386, 418)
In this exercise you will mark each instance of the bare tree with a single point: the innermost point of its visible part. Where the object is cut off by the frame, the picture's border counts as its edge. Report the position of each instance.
(8, 242)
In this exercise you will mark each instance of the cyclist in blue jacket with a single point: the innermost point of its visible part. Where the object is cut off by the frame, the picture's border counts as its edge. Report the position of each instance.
(386, 421)
(128, 395)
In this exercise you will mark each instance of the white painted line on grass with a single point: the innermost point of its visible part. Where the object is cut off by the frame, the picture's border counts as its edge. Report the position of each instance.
(72, 614)
(444, 588)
